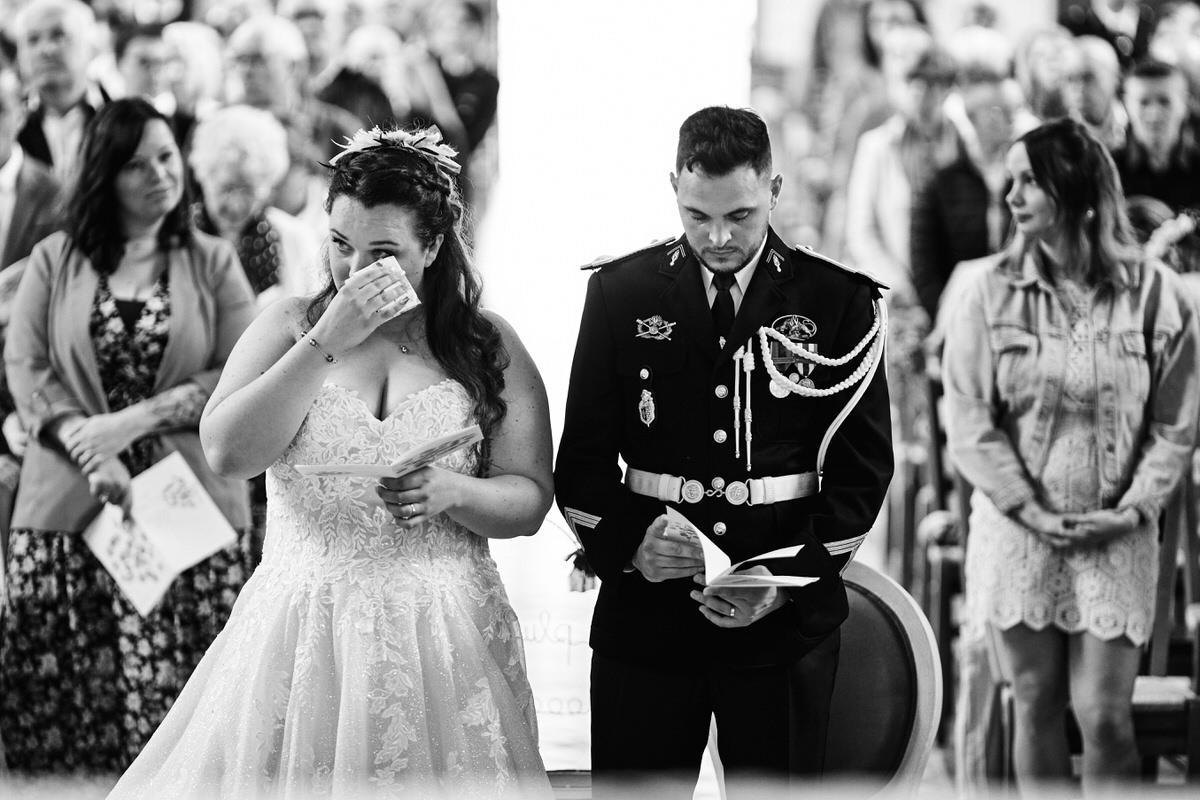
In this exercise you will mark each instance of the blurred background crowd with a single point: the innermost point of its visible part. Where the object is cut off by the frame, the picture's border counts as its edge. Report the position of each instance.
(319, 68)
(891, 120)
(895, 125)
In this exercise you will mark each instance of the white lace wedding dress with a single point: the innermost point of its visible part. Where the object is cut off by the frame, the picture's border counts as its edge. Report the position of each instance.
(360, 660)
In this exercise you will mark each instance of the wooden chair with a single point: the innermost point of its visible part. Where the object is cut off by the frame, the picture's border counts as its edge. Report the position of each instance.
(887, 698)
(1166, 707)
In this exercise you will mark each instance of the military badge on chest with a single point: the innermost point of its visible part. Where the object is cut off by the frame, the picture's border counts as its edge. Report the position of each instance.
(654, 327)
(799, 331)
(646, 399)
(658, 329)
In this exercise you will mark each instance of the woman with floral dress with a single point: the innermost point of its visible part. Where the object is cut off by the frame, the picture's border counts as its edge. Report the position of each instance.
(119, 332)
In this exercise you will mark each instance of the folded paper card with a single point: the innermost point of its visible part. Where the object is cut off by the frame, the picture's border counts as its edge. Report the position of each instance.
(412, 459)
(173, 524)
(408, 295)
(718, 567)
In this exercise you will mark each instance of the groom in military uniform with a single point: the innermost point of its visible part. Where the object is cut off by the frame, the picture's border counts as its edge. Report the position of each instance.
(739, 380)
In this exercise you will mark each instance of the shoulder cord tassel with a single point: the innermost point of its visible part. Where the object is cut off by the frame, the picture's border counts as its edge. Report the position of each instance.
(748, 364)
(737, 400)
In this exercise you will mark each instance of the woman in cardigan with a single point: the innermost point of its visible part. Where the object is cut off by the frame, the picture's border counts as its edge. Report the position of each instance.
(120, 329)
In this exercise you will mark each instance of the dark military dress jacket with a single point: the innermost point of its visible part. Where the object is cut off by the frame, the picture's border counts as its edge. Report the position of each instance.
(652, 387)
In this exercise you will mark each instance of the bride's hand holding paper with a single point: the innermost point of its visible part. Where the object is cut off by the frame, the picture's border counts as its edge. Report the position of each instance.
(416, 496)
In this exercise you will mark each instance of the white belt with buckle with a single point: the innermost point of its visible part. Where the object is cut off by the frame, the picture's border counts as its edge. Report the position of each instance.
(755, 491)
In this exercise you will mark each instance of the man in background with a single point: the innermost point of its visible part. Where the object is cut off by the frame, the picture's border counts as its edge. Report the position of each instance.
(54, 47)
(1161, 158)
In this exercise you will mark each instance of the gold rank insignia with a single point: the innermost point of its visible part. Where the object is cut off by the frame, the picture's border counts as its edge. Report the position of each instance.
(676, 254)
(775, 259)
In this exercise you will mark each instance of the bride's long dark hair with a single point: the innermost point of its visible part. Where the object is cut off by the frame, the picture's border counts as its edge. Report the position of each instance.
(465, 343)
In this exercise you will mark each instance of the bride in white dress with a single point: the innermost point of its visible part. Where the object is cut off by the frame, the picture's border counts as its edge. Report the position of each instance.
(374, 652)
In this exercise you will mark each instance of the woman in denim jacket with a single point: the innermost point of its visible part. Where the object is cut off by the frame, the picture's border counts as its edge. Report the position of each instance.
(1071, 383)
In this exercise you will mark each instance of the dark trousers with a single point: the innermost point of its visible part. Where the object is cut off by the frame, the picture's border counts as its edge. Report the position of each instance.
(650, 725)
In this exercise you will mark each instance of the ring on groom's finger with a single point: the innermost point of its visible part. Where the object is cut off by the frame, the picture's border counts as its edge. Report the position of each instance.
(733, 611)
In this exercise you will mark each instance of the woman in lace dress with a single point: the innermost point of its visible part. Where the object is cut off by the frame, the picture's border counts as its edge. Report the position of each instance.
(374, 653)
(119, 330)
(1071, 382)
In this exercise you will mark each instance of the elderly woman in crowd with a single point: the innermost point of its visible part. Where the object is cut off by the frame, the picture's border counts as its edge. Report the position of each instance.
(120, 329)
(238, 156)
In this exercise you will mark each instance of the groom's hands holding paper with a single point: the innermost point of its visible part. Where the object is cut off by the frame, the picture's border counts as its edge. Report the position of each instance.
(668, 553)
(738, 606)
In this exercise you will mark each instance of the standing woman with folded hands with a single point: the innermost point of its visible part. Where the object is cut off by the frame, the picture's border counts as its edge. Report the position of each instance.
(1071, 383)
(120, 328)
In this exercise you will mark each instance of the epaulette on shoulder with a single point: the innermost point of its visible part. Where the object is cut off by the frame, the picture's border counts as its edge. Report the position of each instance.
(604, 261)
(808, 251)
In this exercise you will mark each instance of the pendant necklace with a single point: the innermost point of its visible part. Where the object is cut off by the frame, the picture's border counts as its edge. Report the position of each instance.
(404, 348)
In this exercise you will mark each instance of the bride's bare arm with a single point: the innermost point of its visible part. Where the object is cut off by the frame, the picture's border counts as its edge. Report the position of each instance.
(514, 496)
(265, 390)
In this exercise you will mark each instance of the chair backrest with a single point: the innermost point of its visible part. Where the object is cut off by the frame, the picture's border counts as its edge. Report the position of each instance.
(887, 698)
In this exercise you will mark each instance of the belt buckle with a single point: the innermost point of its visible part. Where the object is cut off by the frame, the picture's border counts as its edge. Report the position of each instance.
(737, 493)
(692, 491)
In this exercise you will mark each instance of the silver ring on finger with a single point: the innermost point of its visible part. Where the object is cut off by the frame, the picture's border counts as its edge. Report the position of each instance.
(733, 611)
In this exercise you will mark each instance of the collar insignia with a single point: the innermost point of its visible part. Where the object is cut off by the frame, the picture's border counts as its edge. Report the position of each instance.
(654, 328)
(773, 257)
(676, 254)
(795, 327)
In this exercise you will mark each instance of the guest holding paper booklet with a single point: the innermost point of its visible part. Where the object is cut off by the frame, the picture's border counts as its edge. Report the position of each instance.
(118, 332)
(738, 378)
(374, 649)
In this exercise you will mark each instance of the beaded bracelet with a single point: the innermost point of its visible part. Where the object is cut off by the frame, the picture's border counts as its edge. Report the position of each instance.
(321, 350)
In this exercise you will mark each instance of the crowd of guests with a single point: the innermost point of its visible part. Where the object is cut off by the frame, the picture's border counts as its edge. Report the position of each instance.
(1021, 196)
(171, 166)
(1029, 202)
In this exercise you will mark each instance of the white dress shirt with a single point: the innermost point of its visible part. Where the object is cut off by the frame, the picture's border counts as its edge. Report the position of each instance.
(8, 190)
(64, 135)
(741, 280)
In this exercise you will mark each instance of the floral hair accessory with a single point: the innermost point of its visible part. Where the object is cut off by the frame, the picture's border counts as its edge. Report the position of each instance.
(427, 143)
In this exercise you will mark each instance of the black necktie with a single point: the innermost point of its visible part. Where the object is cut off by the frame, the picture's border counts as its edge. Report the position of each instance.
(722, 307)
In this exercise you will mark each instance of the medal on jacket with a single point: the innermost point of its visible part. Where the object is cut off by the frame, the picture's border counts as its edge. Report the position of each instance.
(798, 330)
(646, 408)
(646, 400)
(804, 368)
